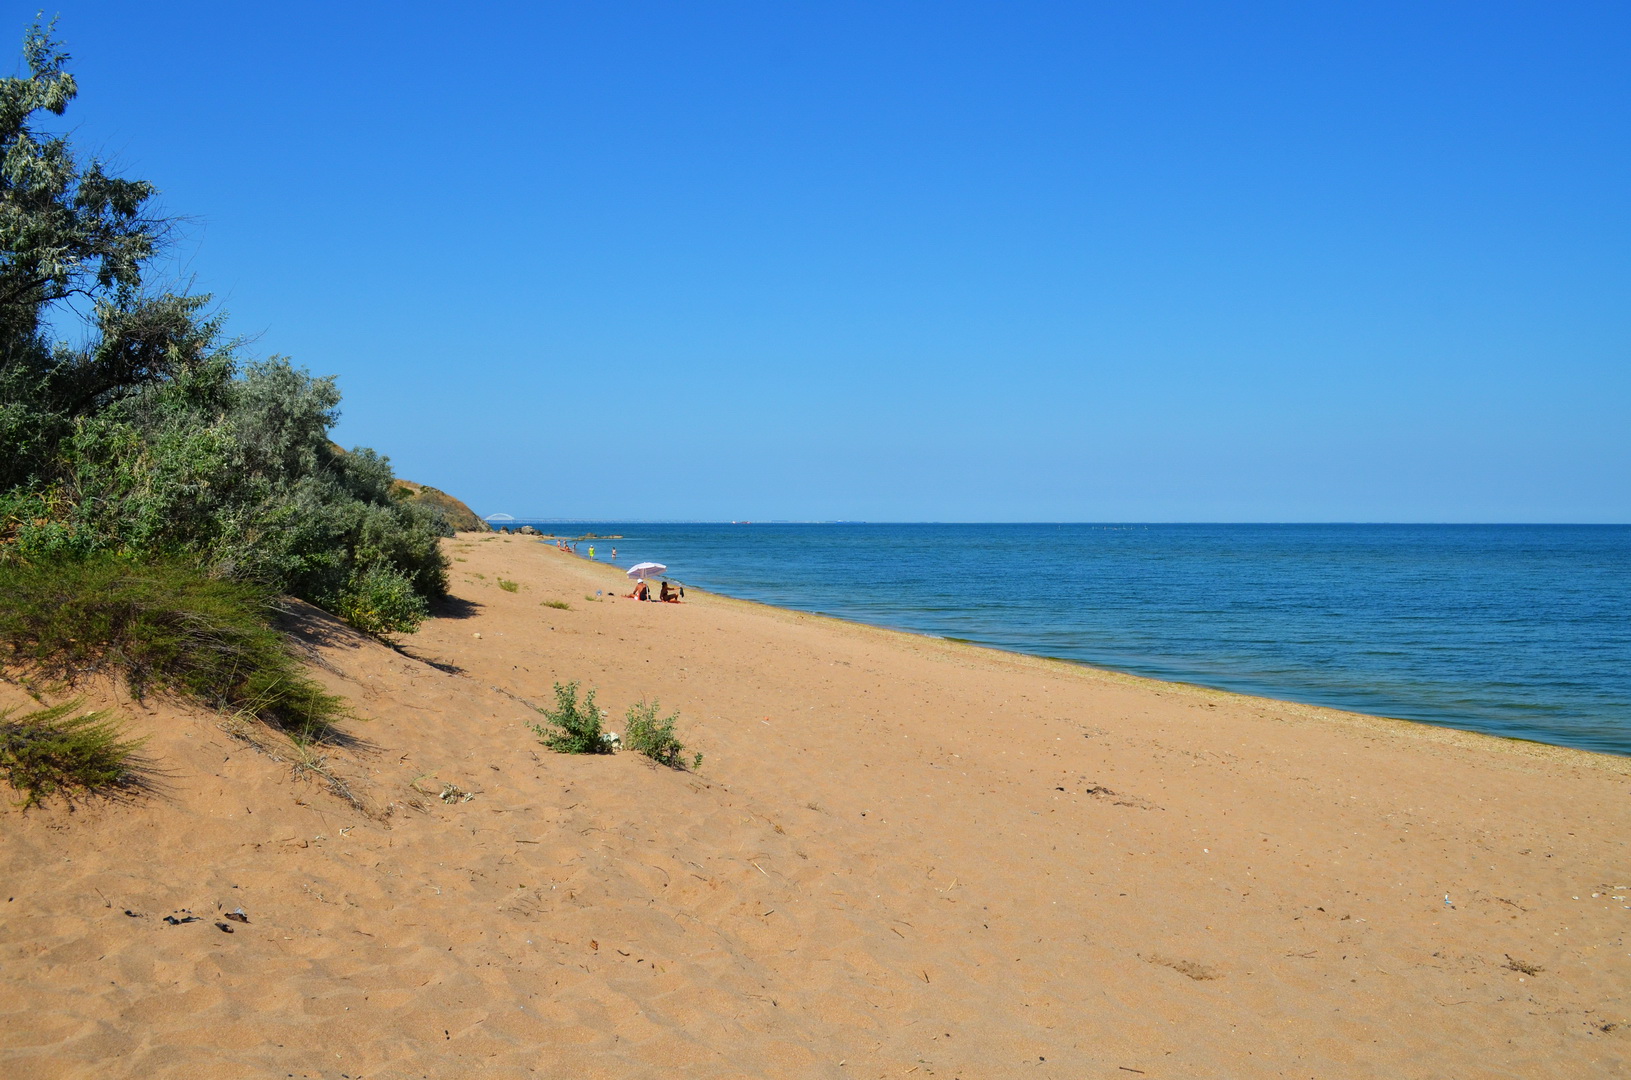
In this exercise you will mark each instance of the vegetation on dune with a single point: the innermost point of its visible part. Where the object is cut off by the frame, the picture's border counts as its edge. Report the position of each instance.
(158, 487)
(51, 751)
(378, 601)
(150, 436)
(165, 627)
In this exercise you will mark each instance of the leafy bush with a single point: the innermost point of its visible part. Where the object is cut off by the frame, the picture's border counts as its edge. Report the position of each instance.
(163, 626)
(381, 601)
(645, 733)
(154, 437)
(238, 473)
(570, 727)
(50, 751)
(558, 605)
(507, 585)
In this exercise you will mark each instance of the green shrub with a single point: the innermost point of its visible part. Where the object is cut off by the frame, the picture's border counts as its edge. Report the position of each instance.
(570, 727)
(235, 471)
(645, 733)
(319, 534)
(164, 626)
(381, 601)
(507, 585)
(558, 605)
(50, 751)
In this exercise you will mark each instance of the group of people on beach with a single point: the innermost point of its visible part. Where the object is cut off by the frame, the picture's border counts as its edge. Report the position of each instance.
(571, 546)
(668, 594)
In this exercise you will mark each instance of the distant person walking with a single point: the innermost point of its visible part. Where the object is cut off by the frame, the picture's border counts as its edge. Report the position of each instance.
(591, 551)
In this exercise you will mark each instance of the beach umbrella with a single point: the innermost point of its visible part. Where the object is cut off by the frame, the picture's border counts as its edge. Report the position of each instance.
(646, 569)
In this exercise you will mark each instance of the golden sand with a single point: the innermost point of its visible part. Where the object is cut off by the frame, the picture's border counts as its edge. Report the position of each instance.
(900, 857)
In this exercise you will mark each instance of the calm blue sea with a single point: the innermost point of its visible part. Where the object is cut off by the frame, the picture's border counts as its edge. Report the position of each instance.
(1512, 630)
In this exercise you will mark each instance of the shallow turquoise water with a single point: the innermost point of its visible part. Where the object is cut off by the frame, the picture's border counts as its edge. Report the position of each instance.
(1512, 630)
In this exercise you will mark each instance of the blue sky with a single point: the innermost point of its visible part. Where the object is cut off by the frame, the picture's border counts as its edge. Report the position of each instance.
(937, 261)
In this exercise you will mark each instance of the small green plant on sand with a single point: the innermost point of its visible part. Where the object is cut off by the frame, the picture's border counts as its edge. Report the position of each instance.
(507, 585)
(558, 605)
(51, 751)
(647, 733)
(572, 727)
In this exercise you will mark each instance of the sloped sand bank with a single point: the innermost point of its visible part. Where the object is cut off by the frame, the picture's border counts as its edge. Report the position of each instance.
(900, 856)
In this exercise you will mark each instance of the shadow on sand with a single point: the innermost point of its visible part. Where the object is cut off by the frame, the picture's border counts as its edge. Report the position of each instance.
(454, 607)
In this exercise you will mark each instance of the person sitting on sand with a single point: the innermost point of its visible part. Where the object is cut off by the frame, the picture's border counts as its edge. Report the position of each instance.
(642, 591)
(668, 594)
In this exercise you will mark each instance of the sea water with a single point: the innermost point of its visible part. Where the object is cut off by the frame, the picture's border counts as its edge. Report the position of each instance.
(1515, 630)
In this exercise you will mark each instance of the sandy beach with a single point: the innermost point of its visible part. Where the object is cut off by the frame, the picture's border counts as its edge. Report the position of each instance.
(900, 856)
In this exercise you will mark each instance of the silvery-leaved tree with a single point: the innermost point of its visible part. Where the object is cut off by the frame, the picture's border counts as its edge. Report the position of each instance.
(74, 240)
(131, 429)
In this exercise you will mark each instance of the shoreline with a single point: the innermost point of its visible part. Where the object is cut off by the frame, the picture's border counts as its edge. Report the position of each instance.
(1421, 729)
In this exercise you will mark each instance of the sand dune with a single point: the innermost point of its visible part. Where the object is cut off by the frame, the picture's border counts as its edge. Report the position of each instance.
(900, 856)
